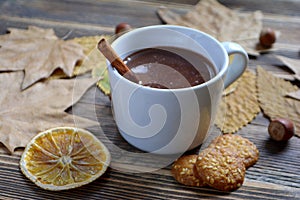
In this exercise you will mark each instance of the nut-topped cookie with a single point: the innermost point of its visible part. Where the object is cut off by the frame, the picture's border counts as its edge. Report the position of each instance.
(184, 171)
(244, 148)
(221, 169)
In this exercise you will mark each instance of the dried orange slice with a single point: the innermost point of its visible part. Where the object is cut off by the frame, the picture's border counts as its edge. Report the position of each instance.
(64, 158)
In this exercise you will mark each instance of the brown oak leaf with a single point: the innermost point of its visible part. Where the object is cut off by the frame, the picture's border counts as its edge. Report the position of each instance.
(39, 52)
(239, 107)
(272, 98)
(93, 58)
(292, 64)
(221, 22)
(25, 113)
(295, 95)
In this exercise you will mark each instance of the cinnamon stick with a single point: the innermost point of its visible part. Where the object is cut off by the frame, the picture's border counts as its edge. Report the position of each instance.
(112, 56)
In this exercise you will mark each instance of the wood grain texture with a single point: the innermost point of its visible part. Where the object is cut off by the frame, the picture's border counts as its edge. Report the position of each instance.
(275, 176)
(291, 7)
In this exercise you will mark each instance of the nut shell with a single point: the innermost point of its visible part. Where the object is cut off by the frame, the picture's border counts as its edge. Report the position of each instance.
(281, 129)
(122, 27)
(267, 37)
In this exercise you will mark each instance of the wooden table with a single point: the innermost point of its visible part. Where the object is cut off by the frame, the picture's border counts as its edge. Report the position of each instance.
(275, 176)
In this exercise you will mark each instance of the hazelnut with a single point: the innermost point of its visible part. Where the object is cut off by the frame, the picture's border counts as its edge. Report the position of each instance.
(267, 37)
(122, 27)
(281, 129)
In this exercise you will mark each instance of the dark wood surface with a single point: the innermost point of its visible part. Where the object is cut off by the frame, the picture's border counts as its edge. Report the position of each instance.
(275, 176)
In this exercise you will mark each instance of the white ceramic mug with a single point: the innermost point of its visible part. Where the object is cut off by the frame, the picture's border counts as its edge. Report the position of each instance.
(171, 121)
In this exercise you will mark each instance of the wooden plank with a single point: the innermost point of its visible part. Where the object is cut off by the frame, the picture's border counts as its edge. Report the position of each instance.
(147, 185)
(47, 14)
(283, 7)
(189, 2)
(107, 13)
(61, 28)
(275, 176)
(158, 184)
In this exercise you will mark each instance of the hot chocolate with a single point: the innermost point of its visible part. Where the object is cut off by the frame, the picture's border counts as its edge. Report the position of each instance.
(170, 67)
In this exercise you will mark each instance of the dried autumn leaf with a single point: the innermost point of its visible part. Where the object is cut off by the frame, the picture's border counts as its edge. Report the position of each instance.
(103, 83)
(253, 47)
(292, 64)
(231, 88)
(219, 21)
(25, 113)
(240, 107)
(100, 70)
(39, 52)
(93, 58)
(295, 95)
(272, 98)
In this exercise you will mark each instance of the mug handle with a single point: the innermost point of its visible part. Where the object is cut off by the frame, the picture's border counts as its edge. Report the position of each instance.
(239, 63)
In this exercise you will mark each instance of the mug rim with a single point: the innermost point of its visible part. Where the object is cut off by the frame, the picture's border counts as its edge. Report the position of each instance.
(205, 84)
